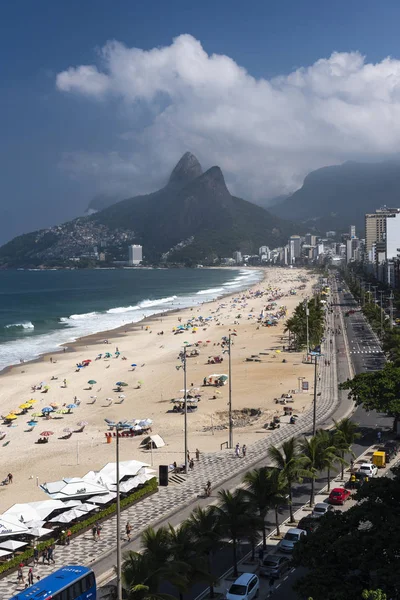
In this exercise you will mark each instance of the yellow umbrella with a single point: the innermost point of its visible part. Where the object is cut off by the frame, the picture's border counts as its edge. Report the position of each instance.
(32, 401)
(10, 417)
(37, 414)
(25, 406)
(278, 351)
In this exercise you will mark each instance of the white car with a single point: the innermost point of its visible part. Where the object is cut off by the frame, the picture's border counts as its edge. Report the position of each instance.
(291, 538)
(369, 469)
(246, 587)
(320, 509)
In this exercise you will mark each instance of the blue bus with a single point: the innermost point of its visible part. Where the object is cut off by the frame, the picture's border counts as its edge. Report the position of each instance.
(68, 583)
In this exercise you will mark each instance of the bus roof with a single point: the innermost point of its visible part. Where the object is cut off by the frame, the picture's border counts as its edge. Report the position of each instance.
(52, 583)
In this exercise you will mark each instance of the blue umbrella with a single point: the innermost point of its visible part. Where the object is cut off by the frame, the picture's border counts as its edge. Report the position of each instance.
(47, 409)
(32, 423)
(69, 406)
(133, 365)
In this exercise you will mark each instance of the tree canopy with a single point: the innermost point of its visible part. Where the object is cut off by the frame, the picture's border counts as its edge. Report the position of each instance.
(356, 550)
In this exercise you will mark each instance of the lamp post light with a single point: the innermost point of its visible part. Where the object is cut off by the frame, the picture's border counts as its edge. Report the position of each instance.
(230, 441)
(183, 366)
(119, 561)
(307, 331)
(381, 294)
(316, 355)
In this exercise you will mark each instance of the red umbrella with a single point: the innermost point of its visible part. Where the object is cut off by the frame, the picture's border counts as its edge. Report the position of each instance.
(46, 433)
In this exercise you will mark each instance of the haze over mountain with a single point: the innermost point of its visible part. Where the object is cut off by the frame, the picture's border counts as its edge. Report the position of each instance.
(193, 217)
(339, 196)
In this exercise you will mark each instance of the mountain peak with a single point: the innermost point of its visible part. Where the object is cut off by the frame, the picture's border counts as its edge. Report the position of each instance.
(187, 169)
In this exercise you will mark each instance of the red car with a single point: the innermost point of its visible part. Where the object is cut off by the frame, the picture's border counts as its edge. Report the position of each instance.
(339, 496)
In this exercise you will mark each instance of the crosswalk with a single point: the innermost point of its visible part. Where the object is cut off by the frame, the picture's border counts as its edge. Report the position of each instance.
(365, 351)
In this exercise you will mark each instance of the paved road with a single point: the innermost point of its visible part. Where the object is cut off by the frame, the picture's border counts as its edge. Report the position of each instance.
(366, 354)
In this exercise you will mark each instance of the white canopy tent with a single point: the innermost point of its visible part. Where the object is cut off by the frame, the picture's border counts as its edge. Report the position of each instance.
(103, 499)
(5, 553)
(34, 511)
(108, 475)
(9, 525)
(39, 532)
(73, 488)
(156, 441)
(12, 545)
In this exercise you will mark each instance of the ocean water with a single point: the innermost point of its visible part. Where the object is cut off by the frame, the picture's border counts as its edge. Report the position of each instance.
(40, 310)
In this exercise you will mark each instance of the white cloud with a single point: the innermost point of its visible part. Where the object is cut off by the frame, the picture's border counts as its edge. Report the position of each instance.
(265, 134)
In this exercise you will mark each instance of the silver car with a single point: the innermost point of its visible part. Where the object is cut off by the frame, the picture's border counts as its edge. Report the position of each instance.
(291, 538)
(320, 509)
(275, 565)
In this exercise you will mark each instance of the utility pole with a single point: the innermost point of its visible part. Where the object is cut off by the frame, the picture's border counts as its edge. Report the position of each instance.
(185, 414)
(307, 315)
(119, 562)
(374, 288)
(230, 442)
(314, 427)
(391, 309)
(369, 292)
(381, 294)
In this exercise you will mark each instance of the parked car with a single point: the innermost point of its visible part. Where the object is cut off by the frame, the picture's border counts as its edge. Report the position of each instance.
(275, 565)
(369, 469)
(292, 536)
(389, 452)
(393, 444)
(320, 509)
(308, 523)
(246, 587)
(339, 495)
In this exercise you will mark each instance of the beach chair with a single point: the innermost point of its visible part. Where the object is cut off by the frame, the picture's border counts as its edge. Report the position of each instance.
(66, 436)
(80, 429)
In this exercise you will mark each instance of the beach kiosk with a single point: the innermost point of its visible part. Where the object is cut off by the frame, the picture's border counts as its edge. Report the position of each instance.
(379, 459)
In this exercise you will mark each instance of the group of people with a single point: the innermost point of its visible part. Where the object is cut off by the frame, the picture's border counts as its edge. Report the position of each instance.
(243, 451)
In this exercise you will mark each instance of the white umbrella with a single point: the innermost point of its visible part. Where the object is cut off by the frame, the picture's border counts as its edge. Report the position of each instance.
(35, 523)
(103, 499)
(12, 545)
(5, 552)
(39, 532)
(86, 507)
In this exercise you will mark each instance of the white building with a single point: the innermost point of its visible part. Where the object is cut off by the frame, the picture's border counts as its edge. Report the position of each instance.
(237, 257)
(135, 254)
(392, 236)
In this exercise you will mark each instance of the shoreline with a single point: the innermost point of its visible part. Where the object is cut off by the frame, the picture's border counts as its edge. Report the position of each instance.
(93, 338)
(153, 345)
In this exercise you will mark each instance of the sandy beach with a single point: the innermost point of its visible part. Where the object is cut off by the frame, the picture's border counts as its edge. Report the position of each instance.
(255, 385)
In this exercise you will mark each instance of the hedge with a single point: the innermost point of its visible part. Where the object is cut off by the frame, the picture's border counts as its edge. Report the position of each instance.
(149, 488)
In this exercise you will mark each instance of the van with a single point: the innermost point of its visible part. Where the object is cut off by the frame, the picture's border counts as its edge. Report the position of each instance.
(246, 587)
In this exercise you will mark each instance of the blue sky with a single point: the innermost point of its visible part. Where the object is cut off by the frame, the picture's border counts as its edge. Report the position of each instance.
(52, 134)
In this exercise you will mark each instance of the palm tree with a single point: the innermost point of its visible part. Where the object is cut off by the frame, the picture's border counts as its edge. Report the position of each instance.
(233, 517)
(334, 443)
(155, 544)
(258, 492)
(318, 457)
(183, 565)
(278, 494)
(207, 536)
(139, 578)
(348, 432)
(291, 465)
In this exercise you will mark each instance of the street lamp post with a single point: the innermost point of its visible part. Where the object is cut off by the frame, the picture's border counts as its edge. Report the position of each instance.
(185, 414)
(307, 331)
(230, 442)
(381, 294)
(314, 429)
(119, 562)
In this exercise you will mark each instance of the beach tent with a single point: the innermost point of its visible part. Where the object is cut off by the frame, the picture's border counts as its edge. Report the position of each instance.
(73, 488)
(133, 482)
(155, 440)
(12, 545)
(39, 532)
(9, 525)
(103, 499)
(127, 468)
(35, 511)
(72, 515)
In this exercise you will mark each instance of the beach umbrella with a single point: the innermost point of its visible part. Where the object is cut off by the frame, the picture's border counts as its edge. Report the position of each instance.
(140, 382)
(121, 383)
(10, 417)
(32, 423)
(46, 387)
(71, 406)
(82, 423)
(47, 409)
(92, 382)
(67, 429)
(25, 406)
(32, 401)
(47, 433)
(87, 360)
(121, 396)
(54, 405)
(133, 365)
(37, 414)
(62, 411)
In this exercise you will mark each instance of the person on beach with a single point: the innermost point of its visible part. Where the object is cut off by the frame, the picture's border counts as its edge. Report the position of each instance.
(10, 478)
(128, 529)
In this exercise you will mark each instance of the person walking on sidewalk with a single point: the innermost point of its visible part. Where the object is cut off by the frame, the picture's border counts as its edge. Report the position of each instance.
(128, 529)
(30, 577)
(244, 450)
(237, 450)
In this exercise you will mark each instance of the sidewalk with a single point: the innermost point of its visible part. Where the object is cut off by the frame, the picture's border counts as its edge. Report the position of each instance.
(219, 468)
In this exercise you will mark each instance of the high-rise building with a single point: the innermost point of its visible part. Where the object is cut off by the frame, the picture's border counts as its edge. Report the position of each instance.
(237, 257)
(375, 226)
(135, 254)
(294, 248)
(352, 231)
(392, 236)
(310, 240)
